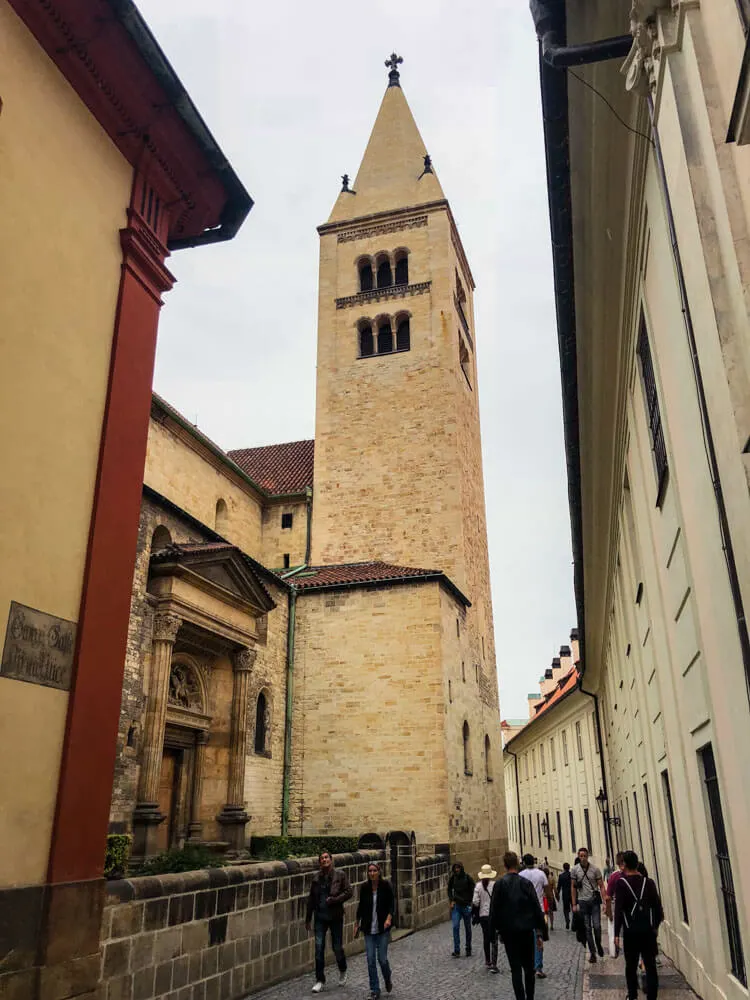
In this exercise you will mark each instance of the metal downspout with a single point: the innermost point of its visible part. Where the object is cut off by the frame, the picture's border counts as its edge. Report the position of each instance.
(286, 783)
(602, 769)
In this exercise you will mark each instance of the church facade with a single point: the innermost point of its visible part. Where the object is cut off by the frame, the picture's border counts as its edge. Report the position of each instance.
(311, 642)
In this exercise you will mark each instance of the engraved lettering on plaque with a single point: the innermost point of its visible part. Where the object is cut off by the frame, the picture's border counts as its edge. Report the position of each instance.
(38, 648)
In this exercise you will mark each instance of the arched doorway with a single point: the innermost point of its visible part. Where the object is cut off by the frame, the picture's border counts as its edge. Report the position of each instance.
(399, 851)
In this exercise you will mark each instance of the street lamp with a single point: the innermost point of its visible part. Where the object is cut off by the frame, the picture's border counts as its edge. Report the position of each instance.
(602, 801)
(545, 831)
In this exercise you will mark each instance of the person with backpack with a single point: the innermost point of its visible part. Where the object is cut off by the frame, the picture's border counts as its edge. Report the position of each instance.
(638, 914)
(516, 916)
(563, 893)
(587, 888)
(460, 895)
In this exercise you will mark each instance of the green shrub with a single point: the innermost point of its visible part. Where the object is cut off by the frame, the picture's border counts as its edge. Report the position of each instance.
(281, 848)
(185, 859)
(118, 852)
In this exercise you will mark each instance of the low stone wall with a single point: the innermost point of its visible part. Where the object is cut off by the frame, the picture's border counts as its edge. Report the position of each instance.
(432, 890)
(222, 933)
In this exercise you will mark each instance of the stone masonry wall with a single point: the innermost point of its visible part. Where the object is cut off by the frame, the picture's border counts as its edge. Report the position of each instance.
(222, 933)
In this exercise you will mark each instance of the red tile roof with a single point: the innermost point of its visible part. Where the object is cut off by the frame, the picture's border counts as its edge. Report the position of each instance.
(351, 574)
(564, 686)
(278, 468)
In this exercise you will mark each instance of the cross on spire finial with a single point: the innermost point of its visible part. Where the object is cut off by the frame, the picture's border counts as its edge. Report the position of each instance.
(393, 63)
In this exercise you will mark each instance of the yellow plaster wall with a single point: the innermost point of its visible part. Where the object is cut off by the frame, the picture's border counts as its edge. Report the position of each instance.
(64, 189)
(368, 740)
(183, 474)
(278, 540)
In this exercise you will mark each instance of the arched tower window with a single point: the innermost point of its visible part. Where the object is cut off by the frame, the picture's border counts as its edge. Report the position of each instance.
(261, 723)
(403, 339)
(402, 268)
(366, 340)
(385, 276)
(487, 758)
(160, 539)
(365, 276)
(385, 337)
(467, 749)
(222, 516)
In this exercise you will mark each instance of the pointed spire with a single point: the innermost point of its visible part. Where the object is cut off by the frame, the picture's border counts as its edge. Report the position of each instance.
(396, 171)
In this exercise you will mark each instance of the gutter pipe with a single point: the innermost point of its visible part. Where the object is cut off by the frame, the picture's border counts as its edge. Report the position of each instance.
(287, 776)
(597, 720)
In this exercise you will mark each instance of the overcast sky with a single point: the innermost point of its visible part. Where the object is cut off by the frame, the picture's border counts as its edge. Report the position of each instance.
(290, 90)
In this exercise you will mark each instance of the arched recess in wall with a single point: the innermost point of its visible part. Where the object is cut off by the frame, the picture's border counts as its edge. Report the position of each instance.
(467, 748)
(401, 257)
(263, 723)
(221, 520)
(160, 539)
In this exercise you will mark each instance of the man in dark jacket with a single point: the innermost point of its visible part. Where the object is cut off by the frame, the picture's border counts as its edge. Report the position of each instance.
(638, 913)
(563, 893)
(329, 891)
(516, 916)
(460, 894)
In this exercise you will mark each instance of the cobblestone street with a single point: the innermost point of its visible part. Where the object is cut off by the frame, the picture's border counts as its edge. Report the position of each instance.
(424, 968)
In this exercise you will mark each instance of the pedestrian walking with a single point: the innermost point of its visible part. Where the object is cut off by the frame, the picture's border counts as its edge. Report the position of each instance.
(374, 919)
(609, 899)
(516, 916)
(550, 900)
(329, 891)
(538, 879)
(563, 893)
(587, 888)
(638, 914)
(480, 904)
(460, 894)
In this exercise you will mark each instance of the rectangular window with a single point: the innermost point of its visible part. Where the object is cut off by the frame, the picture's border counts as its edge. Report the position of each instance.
(552, 757)
(649, 817)
(538, 830)
(596, 733)
(587, 826)
(286, 520)
(526, 765)
(653, 414)
(579, 741)
(572, 832)
(721, 849)
(533, 762)
(677, 864)
(531, 832)
(523, 830)
(559, 832)
(286, 560)
(541, 758)
(464, 359)
(565, 747)
(638, 822)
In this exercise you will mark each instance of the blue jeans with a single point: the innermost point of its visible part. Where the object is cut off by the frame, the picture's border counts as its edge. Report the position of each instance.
(459, 913)
(538, 953)
(337, 943)
(592, 916)
(376, 946)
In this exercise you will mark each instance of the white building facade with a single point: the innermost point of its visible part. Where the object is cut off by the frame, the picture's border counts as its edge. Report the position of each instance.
(649, 180)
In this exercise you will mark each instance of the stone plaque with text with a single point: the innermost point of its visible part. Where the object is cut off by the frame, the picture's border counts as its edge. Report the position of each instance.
(38, 648)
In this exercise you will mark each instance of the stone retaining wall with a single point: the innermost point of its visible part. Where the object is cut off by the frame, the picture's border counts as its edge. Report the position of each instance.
(222, 933)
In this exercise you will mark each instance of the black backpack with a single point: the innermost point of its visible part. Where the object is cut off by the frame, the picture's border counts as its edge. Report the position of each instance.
(639, 919)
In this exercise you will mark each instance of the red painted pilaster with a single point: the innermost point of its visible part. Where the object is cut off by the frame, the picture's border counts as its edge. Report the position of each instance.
(88, 758)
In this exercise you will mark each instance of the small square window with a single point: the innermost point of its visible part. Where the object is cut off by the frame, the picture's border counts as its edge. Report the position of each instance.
(286, 560)
(286, 520)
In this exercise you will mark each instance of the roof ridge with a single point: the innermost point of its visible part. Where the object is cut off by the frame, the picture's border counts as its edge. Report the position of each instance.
(277, 444)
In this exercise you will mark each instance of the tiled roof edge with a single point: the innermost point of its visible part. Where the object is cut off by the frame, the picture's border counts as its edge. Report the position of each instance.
(575, 689)
(388, 581)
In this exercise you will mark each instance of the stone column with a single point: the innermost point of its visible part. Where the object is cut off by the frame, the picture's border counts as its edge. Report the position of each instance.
(196, 827)
(233, 816)
(147, 816)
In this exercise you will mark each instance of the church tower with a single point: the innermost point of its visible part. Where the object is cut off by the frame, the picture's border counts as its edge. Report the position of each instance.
(398, 463)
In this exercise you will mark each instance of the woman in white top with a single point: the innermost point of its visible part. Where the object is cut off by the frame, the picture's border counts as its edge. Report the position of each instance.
(480, 906)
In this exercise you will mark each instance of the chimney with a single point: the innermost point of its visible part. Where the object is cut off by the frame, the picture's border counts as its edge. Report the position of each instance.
(548, 682)
(533, 700)
(574, 647)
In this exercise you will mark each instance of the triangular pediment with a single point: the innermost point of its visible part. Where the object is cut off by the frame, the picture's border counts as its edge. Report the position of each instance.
(222, 566)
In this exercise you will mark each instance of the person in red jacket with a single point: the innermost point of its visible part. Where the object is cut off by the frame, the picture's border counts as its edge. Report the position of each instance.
(638, 913)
